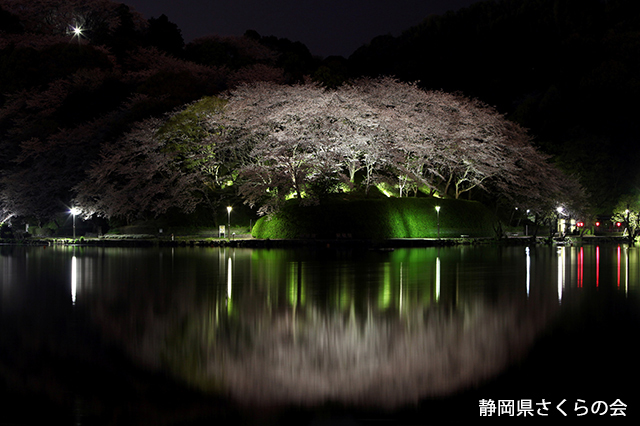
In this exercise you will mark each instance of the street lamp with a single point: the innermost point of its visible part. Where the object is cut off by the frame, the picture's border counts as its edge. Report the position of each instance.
(229, 208)
(76, 31)
(74, 211)
(559, 224)
(438, 216)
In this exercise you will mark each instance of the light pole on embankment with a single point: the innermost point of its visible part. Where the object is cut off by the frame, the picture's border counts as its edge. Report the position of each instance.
(74, 211)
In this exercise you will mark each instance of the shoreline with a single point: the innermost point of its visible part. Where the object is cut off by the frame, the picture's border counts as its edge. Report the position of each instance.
(249, 242)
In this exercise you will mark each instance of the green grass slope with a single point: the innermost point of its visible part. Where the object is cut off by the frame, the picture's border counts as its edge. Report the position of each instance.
(378, 219)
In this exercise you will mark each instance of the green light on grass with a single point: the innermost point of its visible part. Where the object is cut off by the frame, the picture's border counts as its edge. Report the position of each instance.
(293, 194)
(382, 188)
(345, 187)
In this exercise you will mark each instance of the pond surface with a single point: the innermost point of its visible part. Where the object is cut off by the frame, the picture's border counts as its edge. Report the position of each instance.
(169, 335)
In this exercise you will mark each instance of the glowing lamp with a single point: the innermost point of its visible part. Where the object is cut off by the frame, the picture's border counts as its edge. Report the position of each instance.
(74, 212)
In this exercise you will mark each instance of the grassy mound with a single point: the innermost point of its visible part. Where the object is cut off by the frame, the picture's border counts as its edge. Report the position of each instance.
(378, 219)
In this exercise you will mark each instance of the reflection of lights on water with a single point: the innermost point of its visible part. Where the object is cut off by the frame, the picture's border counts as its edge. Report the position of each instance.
(580, 267)
(296, 285)
(399, 285)
(560, 272)
(400, 302)
(229, 278)
(618, 266)
(528, 253)
(293, 287)
(385, 295)
(74, 279)
(626, 270)
(437, 278)
(597, 266)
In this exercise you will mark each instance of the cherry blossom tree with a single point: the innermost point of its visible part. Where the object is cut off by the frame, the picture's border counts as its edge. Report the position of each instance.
(628, 212)
(384, 130)
(273, 142)
(175, 162)
(299, 134)
(448, 142)
(136, 177)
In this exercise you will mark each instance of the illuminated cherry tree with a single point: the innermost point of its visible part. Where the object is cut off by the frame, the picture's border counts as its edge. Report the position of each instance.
(380, 130)
(138, 176)
(273, 142)
(300, 136)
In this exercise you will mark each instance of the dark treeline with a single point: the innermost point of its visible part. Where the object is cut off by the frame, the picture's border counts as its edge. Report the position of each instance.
(65, 96)
(566, 69)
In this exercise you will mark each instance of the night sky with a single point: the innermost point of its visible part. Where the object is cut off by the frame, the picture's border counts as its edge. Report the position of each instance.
(326, 27)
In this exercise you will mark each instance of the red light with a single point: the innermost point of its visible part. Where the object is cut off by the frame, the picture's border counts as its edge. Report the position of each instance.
(618, 224)
(597, 223)
(580, 224)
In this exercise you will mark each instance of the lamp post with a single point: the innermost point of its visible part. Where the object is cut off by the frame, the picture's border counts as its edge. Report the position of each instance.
(229, 208)
(74, 211)
(438, 220)
(560, 211)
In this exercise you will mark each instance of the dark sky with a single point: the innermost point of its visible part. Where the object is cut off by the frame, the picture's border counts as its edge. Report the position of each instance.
(327, 27)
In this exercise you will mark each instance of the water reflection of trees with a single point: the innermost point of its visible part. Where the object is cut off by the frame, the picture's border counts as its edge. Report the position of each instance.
(291, 333)
(314, 356)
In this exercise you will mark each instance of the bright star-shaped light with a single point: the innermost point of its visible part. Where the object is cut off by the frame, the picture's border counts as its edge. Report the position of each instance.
(77, 31)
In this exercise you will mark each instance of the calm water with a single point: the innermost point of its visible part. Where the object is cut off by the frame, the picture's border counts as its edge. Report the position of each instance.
(157, 336)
